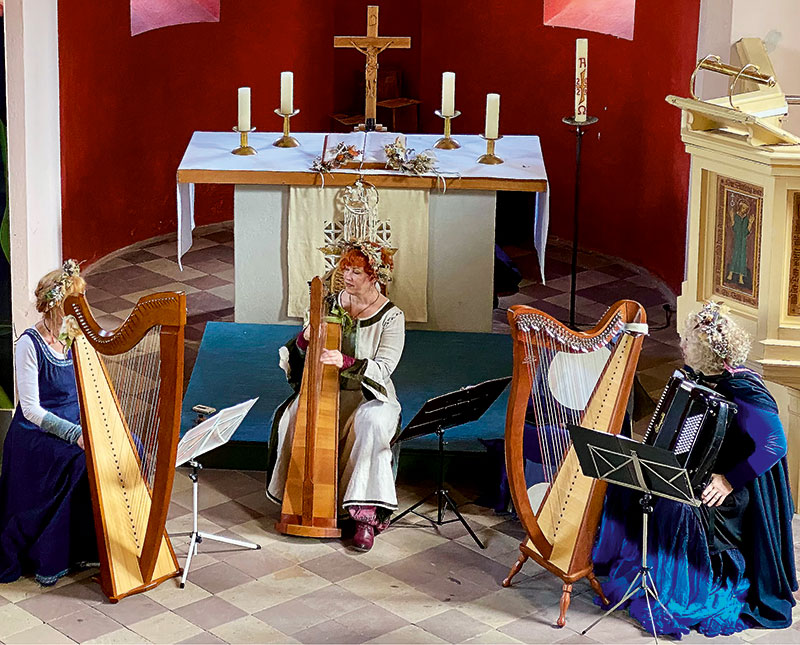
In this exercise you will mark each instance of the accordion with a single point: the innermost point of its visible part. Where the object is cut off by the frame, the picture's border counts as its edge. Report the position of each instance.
(690, 421)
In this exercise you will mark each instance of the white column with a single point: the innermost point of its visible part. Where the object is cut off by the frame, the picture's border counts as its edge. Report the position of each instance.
(34, 150)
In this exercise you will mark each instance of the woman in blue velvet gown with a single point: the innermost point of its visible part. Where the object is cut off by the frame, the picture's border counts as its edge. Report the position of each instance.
(46, 524)
(729, 565)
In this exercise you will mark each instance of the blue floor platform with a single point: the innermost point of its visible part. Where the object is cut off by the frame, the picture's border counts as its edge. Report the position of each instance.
(238, 361)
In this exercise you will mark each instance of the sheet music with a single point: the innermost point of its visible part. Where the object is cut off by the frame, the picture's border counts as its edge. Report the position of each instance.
(213, 432)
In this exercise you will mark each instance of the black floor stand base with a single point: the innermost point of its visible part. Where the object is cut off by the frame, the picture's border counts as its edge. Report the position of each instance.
(444, 500)
(643, 580)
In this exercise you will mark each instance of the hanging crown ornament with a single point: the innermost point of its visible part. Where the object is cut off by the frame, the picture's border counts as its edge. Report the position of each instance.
(363, 231)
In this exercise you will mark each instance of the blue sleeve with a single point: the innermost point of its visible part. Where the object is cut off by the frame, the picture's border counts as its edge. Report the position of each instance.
(764, 427)
(61, 428)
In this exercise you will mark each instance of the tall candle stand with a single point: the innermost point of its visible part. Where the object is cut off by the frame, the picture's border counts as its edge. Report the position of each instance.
(447, 142)
(244, 148)
(287, 140)
(490, 157)
(579, 132)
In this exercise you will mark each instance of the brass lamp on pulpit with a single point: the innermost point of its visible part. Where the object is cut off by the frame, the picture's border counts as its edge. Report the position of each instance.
(743, 245)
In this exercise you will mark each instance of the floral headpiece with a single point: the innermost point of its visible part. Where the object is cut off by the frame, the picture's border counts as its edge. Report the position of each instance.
(373, 251)
(55, 295)
(713, 321)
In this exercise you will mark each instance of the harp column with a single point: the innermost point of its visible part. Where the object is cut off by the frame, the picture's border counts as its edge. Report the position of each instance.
(743, 232)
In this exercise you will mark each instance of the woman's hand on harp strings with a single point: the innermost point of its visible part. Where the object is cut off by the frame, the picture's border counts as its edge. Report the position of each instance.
(307, 332)
(716, 491)
(332, 357)
(80, 442)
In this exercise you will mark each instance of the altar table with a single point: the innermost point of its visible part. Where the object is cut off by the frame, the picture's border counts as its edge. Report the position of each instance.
(461, 215)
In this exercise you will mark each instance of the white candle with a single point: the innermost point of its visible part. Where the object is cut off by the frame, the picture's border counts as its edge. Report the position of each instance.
(448, 93)
(492, 116)
(244, 108)
(287, 92)
(581, 78)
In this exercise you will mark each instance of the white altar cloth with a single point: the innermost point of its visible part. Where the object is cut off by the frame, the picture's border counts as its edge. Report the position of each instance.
(208, 159)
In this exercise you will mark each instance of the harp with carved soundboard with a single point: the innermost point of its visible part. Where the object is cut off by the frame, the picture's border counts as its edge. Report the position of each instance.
(130, 389)
(564, 377)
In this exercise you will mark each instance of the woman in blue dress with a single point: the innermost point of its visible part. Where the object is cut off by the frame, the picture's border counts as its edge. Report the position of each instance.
(46, 525)
(729, 565)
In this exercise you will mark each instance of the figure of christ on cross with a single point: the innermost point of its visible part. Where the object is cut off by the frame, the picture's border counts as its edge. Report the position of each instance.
(371, 45)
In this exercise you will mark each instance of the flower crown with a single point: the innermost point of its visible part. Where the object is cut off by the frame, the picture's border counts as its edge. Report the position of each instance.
(713, 321)
(55, 295)
(378, 256)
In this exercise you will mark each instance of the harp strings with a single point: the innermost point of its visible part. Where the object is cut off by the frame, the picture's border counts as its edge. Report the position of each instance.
(551, 415)
(136, 378)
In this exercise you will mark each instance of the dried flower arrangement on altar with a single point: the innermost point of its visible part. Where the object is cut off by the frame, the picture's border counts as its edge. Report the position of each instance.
(403, 159)
(341, 155)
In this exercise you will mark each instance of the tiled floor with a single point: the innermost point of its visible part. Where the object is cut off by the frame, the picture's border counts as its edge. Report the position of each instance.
(117, 282)
(417, 585)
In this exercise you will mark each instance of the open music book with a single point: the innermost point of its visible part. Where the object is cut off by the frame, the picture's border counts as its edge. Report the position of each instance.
(213, 432)
(370, 147)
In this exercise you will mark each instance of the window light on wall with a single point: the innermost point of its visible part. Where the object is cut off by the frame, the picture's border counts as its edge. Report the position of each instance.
(153, 14)
(613, 17)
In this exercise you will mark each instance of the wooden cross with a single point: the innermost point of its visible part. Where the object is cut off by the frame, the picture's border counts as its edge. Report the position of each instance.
(371, 45)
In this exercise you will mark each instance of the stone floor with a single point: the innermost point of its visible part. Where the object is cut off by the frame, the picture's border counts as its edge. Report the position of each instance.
(118, 281)
(419, 584)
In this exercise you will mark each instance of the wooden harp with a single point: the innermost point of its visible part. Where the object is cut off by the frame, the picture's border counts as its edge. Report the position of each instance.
(569, 377)
(310, 497)
(130, 389)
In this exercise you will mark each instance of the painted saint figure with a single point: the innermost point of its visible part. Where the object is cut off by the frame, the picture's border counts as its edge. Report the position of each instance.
(741, 225)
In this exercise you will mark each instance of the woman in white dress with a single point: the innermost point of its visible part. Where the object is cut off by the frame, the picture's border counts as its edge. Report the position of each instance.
(373, 334)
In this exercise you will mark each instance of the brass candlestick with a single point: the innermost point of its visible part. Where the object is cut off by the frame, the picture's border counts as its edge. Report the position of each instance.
(490, 157)
(446, 142)
(244, 148)
(287, 140)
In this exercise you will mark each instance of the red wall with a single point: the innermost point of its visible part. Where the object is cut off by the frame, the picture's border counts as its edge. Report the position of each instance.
(634, 170)
(129, 106)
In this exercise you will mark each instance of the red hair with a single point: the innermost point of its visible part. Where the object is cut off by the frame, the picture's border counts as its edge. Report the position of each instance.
(355, 259)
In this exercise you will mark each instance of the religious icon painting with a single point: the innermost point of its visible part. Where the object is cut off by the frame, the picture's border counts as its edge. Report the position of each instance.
(794, 261)
(737, 240)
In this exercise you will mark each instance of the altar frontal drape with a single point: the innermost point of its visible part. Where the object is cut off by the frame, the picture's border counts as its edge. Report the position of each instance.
(311, 209)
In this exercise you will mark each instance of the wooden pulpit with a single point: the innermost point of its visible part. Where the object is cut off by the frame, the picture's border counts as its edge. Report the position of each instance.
(743, 235)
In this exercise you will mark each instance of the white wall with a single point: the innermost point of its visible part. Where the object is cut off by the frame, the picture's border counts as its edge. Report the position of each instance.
(713, 37)
(776, 22)
(34, 151)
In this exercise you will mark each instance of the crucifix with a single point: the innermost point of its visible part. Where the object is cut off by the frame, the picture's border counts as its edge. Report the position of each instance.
(371, 45)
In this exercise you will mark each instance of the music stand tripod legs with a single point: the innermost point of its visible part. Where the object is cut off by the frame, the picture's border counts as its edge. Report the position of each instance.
(197, 535)
(443, 500)
(643, 580)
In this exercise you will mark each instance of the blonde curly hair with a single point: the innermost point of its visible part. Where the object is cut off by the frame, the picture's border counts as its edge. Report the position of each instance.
(712, 342)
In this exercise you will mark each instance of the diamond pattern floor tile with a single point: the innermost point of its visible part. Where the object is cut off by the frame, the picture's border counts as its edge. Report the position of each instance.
(417, 585)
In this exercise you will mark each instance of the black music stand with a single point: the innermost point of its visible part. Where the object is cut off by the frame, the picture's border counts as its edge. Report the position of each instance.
(436, 415)
(648, 469)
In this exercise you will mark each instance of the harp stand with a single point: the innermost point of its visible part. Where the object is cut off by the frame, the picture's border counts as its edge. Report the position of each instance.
(648, 469)
(438, 414)
(199, 536)
(579, 127)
